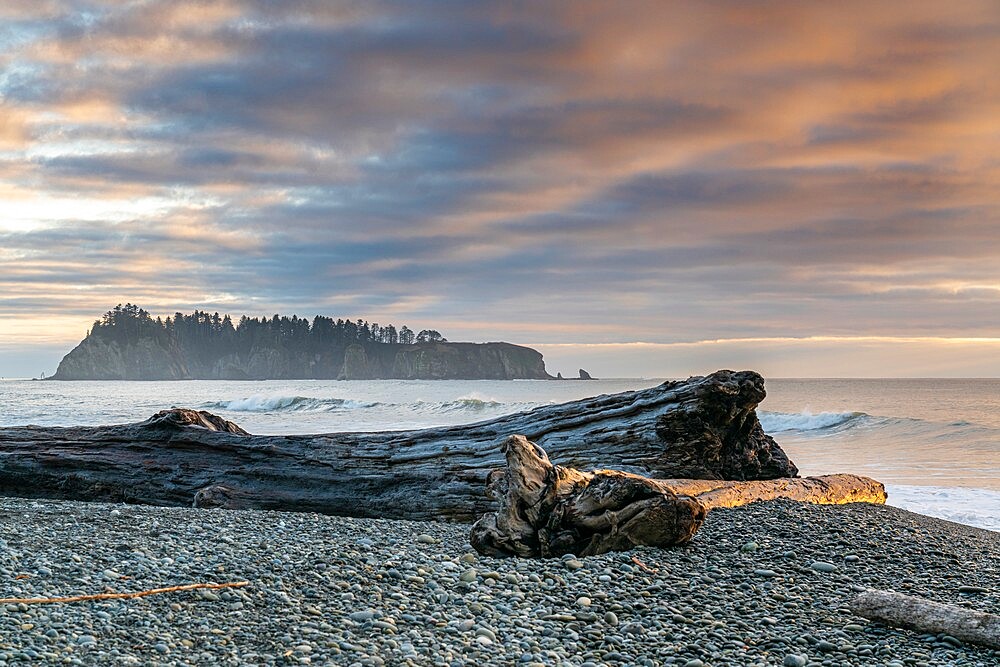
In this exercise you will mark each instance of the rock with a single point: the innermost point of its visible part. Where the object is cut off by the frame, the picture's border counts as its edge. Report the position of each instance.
(584, 375)
(611, 618)
(749, 548)
(362, 616)
(424, 538)
(793, 660)
(765, 573)
(821, 566)
(468, 576)
(547, 510)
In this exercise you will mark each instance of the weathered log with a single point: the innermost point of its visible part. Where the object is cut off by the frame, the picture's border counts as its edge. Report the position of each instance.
(704, 427)
(926, 616)
(823, 490)
(548, 510)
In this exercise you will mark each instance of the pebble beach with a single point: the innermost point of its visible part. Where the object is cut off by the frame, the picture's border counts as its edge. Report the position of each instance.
(766, 584)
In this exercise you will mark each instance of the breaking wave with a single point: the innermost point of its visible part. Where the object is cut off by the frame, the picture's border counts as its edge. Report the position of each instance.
(287, 404)
(277, 404)
(777, 422)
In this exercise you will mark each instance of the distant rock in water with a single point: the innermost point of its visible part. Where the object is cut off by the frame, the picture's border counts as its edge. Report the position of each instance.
(127, 344)
(584, 375)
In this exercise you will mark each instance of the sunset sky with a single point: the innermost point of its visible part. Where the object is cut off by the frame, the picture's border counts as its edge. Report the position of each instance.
(652, 189)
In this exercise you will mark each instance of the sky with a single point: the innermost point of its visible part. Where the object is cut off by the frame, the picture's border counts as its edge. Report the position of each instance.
(640, 189)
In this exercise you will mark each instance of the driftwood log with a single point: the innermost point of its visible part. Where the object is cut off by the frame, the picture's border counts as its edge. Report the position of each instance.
(549, 510)
(910, 613)
(823, 490)
(703, 427)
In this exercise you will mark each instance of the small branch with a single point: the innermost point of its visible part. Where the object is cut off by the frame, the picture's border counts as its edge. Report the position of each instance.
(123, 596)
(651, 570)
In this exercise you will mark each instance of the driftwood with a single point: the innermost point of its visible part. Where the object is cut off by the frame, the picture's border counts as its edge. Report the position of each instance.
(124, 596)
(910, 613)
(822, 490)
(704, 427)
(549, 510)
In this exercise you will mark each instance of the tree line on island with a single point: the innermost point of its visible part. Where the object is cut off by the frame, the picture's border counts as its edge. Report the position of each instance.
(128, 343)
(130, 323)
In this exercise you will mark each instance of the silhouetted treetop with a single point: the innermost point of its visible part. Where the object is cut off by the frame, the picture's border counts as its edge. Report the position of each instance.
(209, 335)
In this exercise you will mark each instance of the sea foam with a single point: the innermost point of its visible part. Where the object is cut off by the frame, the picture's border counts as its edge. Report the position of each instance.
(973, 507)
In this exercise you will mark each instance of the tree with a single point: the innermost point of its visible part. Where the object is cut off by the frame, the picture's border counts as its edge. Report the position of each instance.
(406, 337)
(430, 336)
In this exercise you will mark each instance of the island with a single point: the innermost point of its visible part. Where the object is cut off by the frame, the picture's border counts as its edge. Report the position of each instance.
(127, 343)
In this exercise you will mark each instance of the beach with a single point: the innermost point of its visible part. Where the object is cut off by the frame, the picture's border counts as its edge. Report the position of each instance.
(766, 584)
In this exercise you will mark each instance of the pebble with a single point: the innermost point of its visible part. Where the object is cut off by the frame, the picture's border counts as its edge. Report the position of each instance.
(822, 566)
(331, 590)
(424, 538)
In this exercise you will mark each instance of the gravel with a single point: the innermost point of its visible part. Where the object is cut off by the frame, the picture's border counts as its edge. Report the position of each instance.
(342, 591)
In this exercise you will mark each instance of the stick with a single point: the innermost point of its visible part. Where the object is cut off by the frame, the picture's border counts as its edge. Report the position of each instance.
(904, 611)
(651, 570)
(123, 596)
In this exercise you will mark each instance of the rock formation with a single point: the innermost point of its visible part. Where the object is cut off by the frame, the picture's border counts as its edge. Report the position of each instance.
(548, 510)
(152, 359)
(703, 427)
(584, 375)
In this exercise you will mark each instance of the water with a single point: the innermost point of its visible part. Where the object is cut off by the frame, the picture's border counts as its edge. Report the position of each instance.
(935, 443)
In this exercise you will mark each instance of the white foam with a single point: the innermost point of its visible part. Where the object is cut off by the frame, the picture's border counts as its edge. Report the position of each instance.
(279, 403)
(973, 507)
(776, 422)
(259, 403)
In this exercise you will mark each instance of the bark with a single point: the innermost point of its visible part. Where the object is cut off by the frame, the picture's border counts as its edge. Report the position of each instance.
(904, 611)
(704, 427)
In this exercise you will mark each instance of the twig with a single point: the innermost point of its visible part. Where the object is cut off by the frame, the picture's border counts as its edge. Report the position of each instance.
(123, 596)
(651, 570)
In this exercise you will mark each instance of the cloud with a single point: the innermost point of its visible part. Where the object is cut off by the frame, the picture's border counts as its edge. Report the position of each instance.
(583, 172)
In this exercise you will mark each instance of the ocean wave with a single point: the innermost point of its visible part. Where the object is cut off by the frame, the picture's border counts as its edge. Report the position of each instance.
(470, 403)
(973, 507)
(777, 422)
(287, 404)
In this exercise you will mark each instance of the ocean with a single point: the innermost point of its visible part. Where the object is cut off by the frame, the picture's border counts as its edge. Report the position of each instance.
(935, 443)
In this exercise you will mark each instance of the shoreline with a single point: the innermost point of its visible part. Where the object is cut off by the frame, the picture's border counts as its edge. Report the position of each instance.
(334, 590)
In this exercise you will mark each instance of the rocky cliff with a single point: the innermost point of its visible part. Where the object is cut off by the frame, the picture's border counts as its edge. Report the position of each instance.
(157, 359)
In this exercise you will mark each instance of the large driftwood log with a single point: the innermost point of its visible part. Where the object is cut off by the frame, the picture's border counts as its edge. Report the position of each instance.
(703, 427)
(910, 613)
(549, 510)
